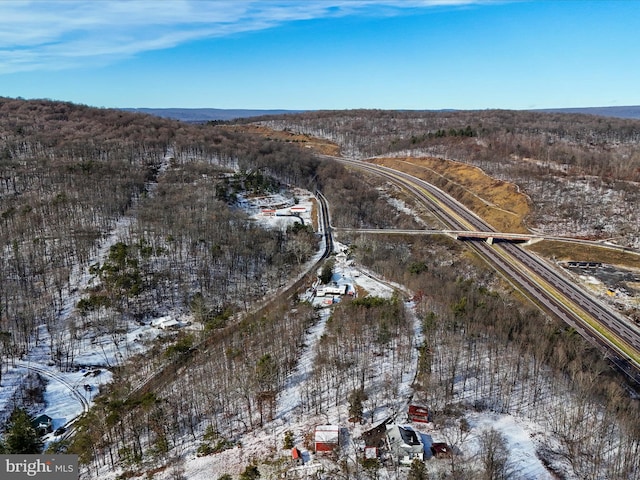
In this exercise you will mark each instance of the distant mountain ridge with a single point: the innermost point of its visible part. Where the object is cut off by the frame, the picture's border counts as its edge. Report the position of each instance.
(619, 112)
(199, 115)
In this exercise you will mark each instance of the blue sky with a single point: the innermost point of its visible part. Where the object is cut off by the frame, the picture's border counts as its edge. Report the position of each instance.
(324, 54)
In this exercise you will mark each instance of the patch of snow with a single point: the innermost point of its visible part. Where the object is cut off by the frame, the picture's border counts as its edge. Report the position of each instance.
(519, 436)
(590, 280)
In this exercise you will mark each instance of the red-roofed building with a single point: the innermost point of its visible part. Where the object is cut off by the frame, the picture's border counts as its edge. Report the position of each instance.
(418, 414)
(327, 438)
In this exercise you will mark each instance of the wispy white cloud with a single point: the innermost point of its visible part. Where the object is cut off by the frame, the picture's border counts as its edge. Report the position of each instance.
(60, 34)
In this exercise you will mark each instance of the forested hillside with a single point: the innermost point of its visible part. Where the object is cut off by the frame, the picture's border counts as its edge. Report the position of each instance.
(68, 173)
(163, 194)
(144, 214)
(581, 175)
(581, 172)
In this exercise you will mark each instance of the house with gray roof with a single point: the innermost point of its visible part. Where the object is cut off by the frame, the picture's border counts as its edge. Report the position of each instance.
(404, 444)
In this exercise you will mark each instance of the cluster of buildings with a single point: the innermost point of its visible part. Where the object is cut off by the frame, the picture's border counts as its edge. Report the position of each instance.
(280, 212)
(391, 443)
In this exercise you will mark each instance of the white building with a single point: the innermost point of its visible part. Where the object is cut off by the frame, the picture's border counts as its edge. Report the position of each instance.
(165, 323)
(404, 444)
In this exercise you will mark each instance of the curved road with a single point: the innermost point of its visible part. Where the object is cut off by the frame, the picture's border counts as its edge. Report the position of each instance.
(60, 379)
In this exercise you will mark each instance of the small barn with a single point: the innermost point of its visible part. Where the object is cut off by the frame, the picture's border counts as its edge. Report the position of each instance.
(418, 414)
(404, 444)
(441, 450)
(326, 438)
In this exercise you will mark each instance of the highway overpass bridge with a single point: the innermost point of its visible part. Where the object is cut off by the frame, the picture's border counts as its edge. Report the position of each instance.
(494, 237)
(462, 235)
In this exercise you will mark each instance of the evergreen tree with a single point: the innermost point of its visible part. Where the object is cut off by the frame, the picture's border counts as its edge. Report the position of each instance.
(288, 440)
(250, 473)
(267, 373)
(21, 436)
(327, 271)
(356, 409)
(418, 470)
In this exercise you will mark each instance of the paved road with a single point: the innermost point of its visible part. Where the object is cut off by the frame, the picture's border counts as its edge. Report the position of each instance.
(548, 288)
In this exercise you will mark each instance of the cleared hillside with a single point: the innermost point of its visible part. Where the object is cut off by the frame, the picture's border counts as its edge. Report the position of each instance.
(499, 203)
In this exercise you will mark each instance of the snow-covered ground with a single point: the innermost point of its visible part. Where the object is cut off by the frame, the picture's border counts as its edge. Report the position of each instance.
(69, 394)
(266, 443)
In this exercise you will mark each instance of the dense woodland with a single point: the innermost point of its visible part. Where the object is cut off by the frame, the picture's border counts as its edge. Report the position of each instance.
(72, 175)
(69, 173)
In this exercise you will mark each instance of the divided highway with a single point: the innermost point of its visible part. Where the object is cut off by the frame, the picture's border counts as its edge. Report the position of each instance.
(616, 336)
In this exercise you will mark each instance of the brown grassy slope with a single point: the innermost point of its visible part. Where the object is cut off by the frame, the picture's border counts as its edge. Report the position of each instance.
(318, 145)
(499, 203)
(563, 251)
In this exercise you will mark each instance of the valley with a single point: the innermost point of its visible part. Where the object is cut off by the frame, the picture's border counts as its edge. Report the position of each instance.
(134, 245)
